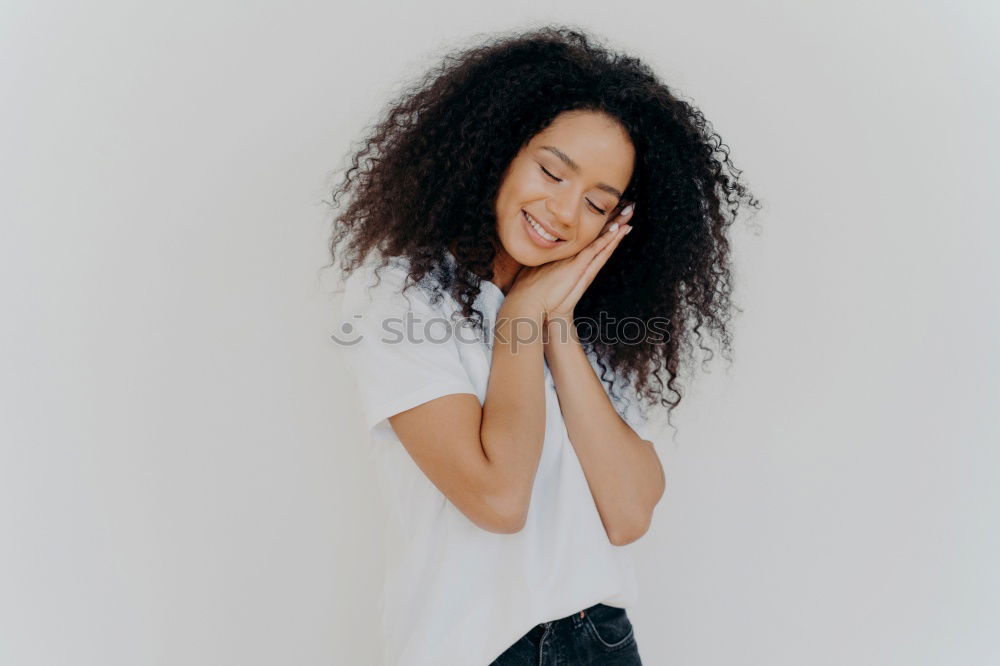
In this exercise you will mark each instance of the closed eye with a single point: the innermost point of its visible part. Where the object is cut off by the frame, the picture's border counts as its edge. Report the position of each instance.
(549, 174)
(559, 180)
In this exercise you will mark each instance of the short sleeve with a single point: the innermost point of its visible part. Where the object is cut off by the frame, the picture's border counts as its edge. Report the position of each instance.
(396, 345)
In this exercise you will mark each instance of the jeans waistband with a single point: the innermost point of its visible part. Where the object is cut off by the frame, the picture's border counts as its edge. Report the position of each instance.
(575, 619)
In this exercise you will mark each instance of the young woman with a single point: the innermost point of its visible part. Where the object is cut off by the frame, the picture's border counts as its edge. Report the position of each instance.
(536, 231)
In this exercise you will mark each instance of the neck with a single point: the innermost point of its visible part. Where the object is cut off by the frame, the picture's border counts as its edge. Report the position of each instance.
(505, 269)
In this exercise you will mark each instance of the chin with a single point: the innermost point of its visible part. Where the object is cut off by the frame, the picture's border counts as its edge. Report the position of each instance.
(534, 256)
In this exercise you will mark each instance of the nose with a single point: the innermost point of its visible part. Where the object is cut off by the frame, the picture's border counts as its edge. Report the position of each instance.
(563, 209)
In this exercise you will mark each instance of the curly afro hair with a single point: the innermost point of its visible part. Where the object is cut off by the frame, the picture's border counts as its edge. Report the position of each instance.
(426, 179)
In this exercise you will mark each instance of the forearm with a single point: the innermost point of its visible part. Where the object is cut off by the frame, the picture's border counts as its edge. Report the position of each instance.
(513, 425)
(623, 471)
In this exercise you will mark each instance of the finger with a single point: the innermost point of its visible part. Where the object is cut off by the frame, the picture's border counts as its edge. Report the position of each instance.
(606, 236)
(619, 219)
(587, 254)
(622, 217)
(595, 265)
(605, 252)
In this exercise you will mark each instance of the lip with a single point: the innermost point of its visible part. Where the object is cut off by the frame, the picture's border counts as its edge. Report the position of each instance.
(538, 240)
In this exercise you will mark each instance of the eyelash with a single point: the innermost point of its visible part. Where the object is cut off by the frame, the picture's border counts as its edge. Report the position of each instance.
(559, 180)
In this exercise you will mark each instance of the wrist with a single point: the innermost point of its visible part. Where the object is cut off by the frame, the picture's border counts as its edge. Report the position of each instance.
(555, 316)
(520, 306)
(560, 328)
(520, 321)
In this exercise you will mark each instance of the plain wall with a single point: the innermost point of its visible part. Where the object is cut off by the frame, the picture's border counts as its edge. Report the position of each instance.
(184, 475)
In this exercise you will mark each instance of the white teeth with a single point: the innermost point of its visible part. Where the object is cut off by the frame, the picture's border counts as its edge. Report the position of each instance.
(541, 232)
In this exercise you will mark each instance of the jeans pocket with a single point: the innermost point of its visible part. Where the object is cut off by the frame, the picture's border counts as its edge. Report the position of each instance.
(610, 626)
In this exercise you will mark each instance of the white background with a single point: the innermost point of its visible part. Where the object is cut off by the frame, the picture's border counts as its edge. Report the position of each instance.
(183, 471)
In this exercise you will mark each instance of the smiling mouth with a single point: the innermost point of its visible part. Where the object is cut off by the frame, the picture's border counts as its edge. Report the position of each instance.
(539, 229)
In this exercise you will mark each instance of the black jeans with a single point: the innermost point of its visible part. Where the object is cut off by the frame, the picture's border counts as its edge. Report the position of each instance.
(600, 635)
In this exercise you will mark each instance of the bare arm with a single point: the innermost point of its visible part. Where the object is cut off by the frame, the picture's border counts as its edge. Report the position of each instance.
(484, 458)
(623, 471)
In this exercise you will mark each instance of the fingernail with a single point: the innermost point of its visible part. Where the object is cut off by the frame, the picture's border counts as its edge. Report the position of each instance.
(628, 231)
(627, 210)
(613, 228)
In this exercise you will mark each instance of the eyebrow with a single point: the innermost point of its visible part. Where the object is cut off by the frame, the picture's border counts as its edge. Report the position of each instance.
(576, 167)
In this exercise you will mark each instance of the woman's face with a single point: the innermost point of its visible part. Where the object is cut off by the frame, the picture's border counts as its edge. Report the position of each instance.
(568, 179)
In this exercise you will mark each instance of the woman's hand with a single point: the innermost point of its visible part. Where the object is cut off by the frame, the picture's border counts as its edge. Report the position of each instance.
(558, 285)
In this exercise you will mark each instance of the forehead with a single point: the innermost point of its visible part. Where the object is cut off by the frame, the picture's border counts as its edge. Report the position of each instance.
(595, 141)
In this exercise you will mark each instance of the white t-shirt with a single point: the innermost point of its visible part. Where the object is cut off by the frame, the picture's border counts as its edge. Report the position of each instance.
(454, 593)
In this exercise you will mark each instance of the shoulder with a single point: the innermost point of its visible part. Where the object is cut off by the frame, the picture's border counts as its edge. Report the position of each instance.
(384, 284)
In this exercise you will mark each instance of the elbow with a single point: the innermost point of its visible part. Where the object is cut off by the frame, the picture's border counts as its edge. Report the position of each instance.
(506, 514)
(631, 529)
(623, 537)
(624, 534)
(511, 524)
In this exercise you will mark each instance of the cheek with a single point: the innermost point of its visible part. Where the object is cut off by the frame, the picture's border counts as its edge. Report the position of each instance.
(581, 241)
(511, 198)
(521, 186)
(591, 232)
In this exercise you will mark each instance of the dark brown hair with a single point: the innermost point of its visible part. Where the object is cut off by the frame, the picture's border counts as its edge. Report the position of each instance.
(426, 180)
